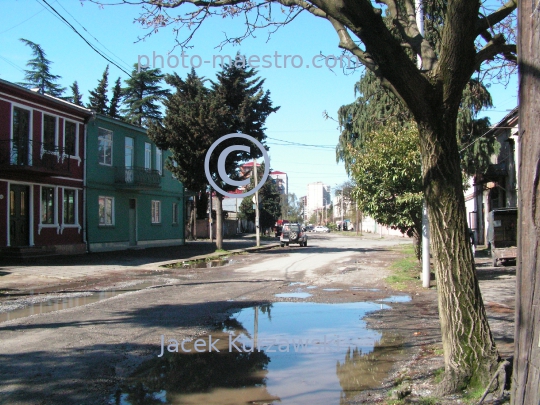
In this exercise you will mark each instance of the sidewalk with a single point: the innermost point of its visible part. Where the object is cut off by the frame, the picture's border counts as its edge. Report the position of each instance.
(27, 273)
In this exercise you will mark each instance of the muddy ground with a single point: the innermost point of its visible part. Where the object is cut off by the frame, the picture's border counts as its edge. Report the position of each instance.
(83, 354)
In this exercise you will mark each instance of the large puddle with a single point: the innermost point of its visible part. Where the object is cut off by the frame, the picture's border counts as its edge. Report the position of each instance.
(287, 352)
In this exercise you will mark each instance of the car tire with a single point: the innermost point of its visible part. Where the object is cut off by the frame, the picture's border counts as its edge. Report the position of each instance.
(287, 244)
(282, 244)
(305, 243)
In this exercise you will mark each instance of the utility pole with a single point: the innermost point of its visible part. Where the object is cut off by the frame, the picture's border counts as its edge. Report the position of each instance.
(257, 230)
(426, 274)
(342, 210)
(357, 218)
(210, 221)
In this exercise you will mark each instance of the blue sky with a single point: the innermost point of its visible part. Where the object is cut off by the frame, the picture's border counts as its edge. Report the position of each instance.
(303, 93)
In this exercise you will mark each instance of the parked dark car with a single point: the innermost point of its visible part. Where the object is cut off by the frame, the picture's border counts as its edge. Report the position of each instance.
(292, 233)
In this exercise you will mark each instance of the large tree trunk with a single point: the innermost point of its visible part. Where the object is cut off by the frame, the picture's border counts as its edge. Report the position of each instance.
(219, 222)
(469, 350)
(526, 377)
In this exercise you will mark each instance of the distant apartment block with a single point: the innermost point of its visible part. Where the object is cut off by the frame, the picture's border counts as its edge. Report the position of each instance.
(317, 198)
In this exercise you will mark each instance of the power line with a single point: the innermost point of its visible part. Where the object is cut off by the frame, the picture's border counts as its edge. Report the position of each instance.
(97, 40)
(84, 39)
(12, 64)
(22, 22)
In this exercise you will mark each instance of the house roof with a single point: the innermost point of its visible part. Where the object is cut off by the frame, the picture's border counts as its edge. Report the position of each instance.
(33, 96)
(277, 173)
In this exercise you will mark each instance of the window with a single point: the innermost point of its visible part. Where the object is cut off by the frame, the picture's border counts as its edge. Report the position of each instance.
(175, 213)
(128, 146)
(105, 146)
(159, 161)
(69, 207)
(147, 156)
(47, 205)
(106, 210)
(156, 212)
(49, 132)
(20, 136)
(70, 138)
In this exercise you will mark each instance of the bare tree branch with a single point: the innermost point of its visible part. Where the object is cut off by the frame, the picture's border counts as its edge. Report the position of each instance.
(487, 22)
(496, 46)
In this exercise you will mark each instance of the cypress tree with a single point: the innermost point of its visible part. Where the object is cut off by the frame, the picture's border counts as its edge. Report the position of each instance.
(115, 100)
(76, 96)
(98, 97)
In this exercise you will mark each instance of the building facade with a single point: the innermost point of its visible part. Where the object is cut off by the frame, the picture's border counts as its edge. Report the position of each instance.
(132, 200)
(41, 173)
(282, 181)
(317, 198)
(497, 187)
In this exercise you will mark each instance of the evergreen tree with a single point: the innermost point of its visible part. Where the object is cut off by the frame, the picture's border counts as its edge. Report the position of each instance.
(197, 116)
(192, 117)
(76, 96)
(98, 97)
(376, 108)
(247, 103)
(115, 100)
(38, 74)
(143, 95)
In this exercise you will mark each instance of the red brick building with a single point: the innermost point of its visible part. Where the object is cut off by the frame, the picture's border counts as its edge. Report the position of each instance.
(42, 152)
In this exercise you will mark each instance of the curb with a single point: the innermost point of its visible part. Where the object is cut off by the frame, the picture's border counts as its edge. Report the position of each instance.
(160, 265)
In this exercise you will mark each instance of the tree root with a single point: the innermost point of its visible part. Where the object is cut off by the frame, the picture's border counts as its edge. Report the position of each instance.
(501, 370)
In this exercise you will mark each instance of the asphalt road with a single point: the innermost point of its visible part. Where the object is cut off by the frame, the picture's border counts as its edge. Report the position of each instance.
(79, 355)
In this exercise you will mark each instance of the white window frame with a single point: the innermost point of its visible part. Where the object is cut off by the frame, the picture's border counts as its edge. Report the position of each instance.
(111, 145)
(106, 198)
(148, 156)
(76, 155)
(159, 160)
(43, 133)
(55, 209)
(76, 209)
(30, 128)
(175, 213)
(132, 147)
(156, 212)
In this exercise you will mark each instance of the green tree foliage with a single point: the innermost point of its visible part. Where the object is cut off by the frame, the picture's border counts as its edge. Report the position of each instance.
(38, 75)
(191, 124)
(291, 208)
(376, 107)
(389, 178)
(197, 116)
(98, 98)
(143, 95)
(115, 100)
(76, 96)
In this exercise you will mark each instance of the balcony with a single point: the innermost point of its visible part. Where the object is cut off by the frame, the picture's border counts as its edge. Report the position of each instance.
(137, 178)
(36, 157)
(494, 173)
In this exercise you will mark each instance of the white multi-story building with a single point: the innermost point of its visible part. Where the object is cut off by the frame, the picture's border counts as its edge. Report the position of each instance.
(317, 198)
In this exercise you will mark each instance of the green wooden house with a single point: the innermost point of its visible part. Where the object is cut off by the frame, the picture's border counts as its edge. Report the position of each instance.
(131, 199)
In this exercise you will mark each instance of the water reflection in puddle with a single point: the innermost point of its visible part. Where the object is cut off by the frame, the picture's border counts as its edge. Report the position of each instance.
(59, 303)
(397, 298)
(311, 353)
(294, 295)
